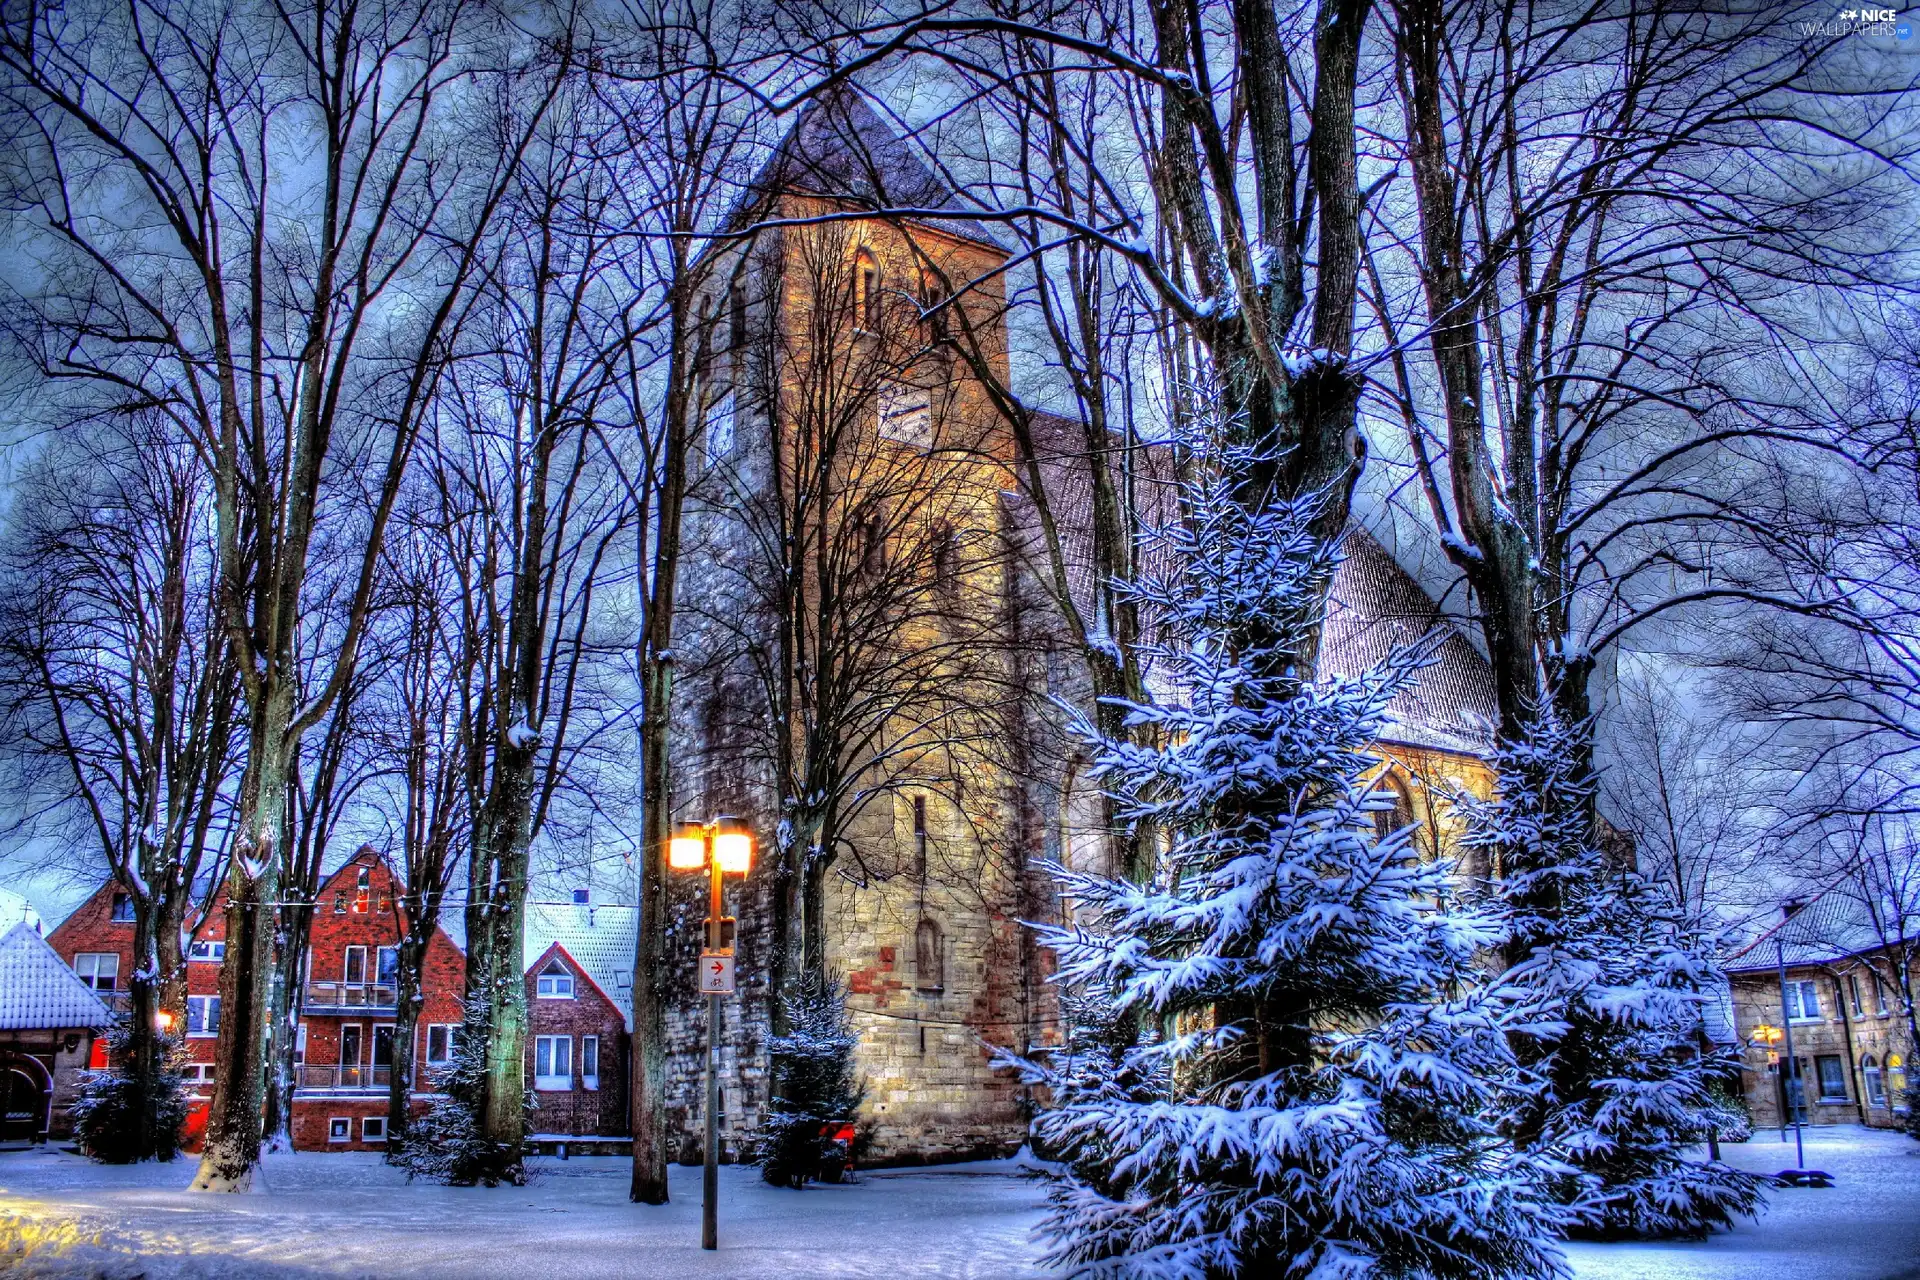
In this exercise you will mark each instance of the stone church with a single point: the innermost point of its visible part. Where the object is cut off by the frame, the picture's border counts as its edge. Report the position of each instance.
(867, 672)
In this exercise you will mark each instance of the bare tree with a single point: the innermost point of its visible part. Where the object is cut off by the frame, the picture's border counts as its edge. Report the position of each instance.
(117, 690)
(258, 221)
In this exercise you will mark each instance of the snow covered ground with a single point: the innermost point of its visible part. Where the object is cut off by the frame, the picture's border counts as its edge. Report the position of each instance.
(351, 1215)
(348, 1214)
(1865, 1227)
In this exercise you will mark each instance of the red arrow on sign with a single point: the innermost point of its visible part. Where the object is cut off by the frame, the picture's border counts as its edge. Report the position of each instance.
(718, 968)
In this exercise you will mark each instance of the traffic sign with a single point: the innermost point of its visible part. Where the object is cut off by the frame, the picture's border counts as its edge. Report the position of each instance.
(716, 973)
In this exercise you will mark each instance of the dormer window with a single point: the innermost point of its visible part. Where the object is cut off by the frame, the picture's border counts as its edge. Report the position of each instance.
(554, 983)
(122, 908)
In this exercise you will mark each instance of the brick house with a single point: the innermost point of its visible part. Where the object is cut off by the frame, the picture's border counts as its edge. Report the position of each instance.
(344, 1052)
(579, 977)
(96, 941)
(1853, 1047)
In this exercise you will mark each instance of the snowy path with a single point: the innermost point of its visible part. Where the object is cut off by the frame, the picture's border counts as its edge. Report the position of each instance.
(350, 1215)
(1866, 1227)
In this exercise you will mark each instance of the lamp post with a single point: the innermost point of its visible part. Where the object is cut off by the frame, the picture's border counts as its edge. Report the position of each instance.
(1793, 1089)
(722, 847)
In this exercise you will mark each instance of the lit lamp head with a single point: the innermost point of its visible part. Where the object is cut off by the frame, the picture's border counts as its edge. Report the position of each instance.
(687, 849)
(163, 1021)
(732, 846)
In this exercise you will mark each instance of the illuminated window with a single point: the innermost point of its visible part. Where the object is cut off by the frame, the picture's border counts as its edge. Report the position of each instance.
(553, 1063)
(98, 969)
(1897, 1081)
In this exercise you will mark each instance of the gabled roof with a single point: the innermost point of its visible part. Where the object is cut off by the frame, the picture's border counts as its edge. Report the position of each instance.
(37, 990)
(1373, 605)
(1831, 926)
(598, 939)
(841, 149)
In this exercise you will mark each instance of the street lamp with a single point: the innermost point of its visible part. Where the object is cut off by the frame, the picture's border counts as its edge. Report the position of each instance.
(722, 847)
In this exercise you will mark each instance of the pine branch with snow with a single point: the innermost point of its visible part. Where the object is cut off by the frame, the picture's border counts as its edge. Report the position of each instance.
(1290, 1072)
(1615, 1081)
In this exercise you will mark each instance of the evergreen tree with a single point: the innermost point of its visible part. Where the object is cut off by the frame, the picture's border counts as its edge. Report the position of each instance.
(111, 1113)
(813, 1085)
(1307, 1098)
(1614, 1082)
(449, 1143)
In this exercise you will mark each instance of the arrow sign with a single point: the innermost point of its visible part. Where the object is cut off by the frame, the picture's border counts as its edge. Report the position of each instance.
(716, 973)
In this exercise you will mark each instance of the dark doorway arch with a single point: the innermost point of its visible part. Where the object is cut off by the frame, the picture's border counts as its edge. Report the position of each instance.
(27, 1093)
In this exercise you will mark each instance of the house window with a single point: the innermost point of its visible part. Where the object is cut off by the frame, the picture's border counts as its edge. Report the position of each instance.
(1400, 816)
(203, 1016)
(354, 970)
(197, 1073)
(340, 1129)
(440, 1044)
(339, 902)
(1870, 1076)
(362, 893)
(98, 969)
(208, 952)
(383, 1044)
(581, 897)
(1853, 993)
(553, 1063)
(1802, 1001)
(929, 956)
(387, 966)
(1897, 1081)
(933, 296)
(122, 908)
(1833, 1078)
(300, 1044)
(589, 1062)
(736, 318)
(554, 984)
(373, 1129)
(1879, 997)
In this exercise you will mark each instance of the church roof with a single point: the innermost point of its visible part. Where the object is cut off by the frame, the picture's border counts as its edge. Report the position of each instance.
(38, 992)
(840, 148)
(1374, 604)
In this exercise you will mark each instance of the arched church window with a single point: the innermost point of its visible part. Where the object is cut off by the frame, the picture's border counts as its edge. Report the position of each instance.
(1401, 815)
(929, 956)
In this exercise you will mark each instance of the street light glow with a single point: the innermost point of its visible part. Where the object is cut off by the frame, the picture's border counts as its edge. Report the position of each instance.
(687, 850)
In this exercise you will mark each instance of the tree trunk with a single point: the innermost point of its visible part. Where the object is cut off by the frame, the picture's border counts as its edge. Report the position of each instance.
(285, 998)
(232, 1152)
(647, 1103)
(504, 845)
(406, 1027)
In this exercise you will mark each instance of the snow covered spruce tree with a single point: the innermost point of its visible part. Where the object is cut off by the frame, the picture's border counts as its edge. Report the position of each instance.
(1306, 1098)
(813, 1084)
(1614, 1081)
(449, 1143)
(124, 1113)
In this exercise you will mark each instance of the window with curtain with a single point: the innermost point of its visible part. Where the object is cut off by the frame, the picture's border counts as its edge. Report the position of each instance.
(553, 1063)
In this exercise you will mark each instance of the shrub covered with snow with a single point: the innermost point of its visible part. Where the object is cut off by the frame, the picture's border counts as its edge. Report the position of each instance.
(449, 1143)
(1614, 1082)
(813, 1084)
(1290, 1075)
(112, 1112)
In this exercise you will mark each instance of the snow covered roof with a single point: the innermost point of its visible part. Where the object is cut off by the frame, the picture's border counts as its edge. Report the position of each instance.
(1831, 926)
(37, 990)
(599, 937)
(839, 147)
(1374, 604)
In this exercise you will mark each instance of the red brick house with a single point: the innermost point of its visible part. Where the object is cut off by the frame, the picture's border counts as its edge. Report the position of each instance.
(579, 980)
(96, 941)
(344, 1054)
(579, 976)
